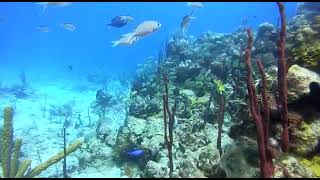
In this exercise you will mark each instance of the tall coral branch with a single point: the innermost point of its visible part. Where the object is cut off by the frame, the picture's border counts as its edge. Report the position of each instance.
(7, 141)
(169, 126)
(266, 165)
(220, 122)
(266, 110)
(221, 111)
(282, 80)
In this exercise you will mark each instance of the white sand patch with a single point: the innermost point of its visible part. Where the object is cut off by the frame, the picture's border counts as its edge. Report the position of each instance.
(42, 132)
(102, 172)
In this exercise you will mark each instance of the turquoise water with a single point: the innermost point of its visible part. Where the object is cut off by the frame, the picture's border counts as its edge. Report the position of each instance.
(59, 71)
(88, 47)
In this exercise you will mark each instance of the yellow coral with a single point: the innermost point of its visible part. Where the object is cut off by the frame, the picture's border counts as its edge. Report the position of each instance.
(201, 101)
(15, 158)
(10, 165)
(220, 86)
(7, 133)
(307, 55)
(23, 168)
(312, 165)
(306, 134)
(304, 137)
(71, 148)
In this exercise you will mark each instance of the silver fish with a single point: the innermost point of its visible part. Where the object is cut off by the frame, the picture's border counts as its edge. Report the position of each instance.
(43, 29)
(68, 26)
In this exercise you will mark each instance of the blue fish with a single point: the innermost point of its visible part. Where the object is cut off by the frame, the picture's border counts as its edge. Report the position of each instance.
(135, 153)
(120, 21)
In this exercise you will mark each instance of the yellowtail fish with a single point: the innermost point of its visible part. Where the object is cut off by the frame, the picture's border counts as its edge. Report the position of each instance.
(43, 28)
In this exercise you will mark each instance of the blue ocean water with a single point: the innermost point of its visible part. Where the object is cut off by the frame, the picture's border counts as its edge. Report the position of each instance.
(59, 79)
(88, 48)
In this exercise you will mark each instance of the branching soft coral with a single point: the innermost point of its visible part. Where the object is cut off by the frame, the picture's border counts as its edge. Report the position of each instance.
(11, 166)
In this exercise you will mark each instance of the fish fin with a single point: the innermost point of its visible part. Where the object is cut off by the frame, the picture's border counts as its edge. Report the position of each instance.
(109, 26)
(128, 34)
(114, 43)
(192, 17)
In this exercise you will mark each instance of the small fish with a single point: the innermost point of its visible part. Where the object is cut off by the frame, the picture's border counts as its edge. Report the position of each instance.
(125, 40)
(135, 153)
(120, 21)
(46, 4)
(68, 26)
(43, 28)
(186, 22)
(143, 29)
(70, 67)
(274, 143)
(195, 4)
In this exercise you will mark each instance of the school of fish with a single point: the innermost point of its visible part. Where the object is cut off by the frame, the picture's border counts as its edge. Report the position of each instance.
(142, 30)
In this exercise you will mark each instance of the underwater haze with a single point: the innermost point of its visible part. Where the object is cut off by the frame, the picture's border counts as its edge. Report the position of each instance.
(160, 89)
(88, 48)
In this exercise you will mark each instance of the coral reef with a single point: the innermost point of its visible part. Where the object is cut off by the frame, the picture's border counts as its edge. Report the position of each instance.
(303, 37)
(238, 161)
(143, 107)
(299, 79)
(93, 153)
(200, 71)
(103, 101)
(147, 134)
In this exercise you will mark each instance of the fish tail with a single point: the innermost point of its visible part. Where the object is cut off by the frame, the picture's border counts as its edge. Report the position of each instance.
(114, 43)
(130, 35)
(183, 31)
(193, 11)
